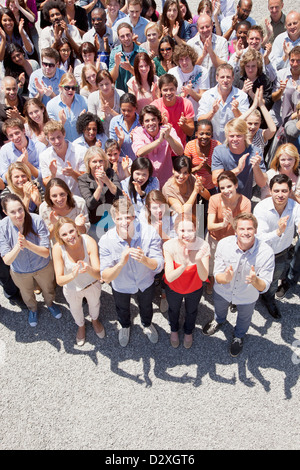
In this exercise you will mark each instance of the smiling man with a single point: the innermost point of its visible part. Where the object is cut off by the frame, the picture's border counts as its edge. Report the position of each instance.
(277, 217)
(286, 41)
(243, 269)
(131, 256)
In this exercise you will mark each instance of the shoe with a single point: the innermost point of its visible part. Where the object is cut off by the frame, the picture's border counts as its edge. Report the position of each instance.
(236, 346)
(80, 341)
(233, 308)
(163, 306)
(17, 300)
(124, 336)
(55, 312)
(211, 328)
(187, 344)
(174, 342)
(32, 318)
(151, 333)
(272, 309)
(282, 290)
(97, 325)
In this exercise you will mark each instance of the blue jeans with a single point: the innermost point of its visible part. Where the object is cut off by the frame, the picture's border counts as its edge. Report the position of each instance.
(144, 299)
(244, 314)
(191, 302)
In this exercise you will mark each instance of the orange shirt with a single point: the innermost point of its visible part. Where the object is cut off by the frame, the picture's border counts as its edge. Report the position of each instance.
(191, 151)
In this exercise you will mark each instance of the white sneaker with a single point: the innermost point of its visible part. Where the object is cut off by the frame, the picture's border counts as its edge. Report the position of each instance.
(151, 333)
(124, 336)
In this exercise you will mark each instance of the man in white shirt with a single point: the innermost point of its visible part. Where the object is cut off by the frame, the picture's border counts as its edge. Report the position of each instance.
(60, 160)
(54, 11)
(286, 41)
(211, 49)
(277, 217)
(223, 102)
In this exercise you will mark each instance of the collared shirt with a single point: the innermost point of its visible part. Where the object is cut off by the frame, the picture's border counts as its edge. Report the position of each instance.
(26, 261)
(277, 50)
(9, 154)
(124, 75)
(118, 121)
(134, 276)
(47, 36)
(268, 218)
(278, 27)
(78, 105)
(109, 33)
(76, 163)
(161, 156)
(81, 146)
(220, 48)
(224, 113)
(53, 82)
(138, 29)
(226, 24)
(260, 255)
(120, 15)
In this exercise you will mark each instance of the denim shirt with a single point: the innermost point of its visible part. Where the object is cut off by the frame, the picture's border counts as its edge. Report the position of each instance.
(134, 276)
(26, 261)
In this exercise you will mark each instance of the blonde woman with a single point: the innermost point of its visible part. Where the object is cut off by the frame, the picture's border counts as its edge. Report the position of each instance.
(88, 80)
(19, 182)
(286, 162)
(153, 35)
(77, 269)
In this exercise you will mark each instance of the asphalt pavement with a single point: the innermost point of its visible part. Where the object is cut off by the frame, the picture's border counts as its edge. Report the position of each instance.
(55, 395)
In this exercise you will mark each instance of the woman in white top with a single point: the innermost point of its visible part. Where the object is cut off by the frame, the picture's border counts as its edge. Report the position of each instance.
(77, 269)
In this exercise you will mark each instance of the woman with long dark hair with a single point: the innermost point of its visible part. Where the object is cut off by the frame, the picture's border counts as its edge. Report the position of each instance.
(173, 24)
(12, 32)
(16, 65)
(164, 60)
(25, 247)
(144, 82)
(36, 117)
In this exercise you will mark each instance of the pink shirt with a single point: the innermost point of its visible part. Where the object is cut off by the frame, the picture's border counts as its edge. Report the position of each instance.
(161, 156)
(173, 113)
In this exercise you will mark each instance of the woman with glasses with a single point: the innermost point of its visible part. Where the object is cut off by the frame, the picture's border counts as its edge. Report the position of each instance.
(164, 60)
(67, 106)
(67, 58)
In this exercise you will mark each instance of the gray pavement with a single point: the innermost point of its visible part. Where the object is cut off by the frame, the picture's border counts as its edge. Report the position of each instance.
(55, 395)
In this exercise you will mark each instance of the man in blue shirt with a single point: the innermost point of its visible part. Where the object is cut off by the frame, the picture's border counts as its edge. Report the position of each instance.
(243, 269)
(135, 19)
(20, 148)
(44, 82)
(122, 57)
(131, 256)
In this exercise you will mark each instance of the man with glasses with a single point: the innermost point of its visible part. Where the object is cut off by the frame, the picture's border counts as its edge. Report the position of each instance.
(44, 82)
(103, 37)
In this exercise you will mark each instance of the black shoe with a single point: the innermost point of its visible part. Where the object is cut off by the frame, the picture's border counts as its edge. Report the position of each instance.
(233, 308)
(272, 308)
(17, 300)
(211, 328)
(282, 290)
(236, 346)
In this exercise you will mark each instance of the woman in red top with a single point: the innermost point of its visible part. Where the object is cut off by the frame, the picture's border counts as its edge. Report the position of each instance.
(186, 268)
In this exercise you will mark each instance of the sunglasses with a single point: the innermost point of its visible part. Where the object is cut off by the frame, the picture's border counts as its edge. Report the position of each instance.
(68, 87)
(166, 49)
(47, 64)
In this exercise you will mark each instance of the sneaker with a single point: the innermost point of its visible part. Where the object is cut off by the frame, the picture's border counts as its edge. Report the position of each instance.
(55, 312)
(32, 318)
(124, 336)
(163, 306)
(236, 346)
(211, 328)
(282, 290)
(151, 333)
(233, 308)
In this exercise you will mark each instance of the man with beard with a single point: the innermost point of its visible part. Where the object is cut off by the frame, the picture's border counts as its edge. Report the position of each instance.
(243, 269)
(55, 11)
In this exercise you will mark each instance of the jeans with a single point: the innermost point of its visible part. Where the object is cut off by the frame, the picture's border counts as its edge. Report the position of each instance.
(244, 314)
(281, 260)
(144, 299)
(191, 302)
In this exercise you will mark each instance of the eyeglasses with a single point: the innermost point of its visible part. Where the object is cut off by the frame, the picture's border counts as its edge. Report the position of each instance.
(166, 49)
(47, 64)
(68, 87)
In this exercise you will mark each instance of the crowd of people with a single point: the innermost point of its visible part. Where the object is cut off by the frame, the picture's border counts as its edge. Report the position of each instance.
(146, 147)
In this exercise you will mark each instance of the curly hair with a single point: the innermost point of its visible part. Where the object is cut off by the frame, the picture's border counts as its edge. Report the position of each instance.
(249, 56)
(85, 119)
(58, 4)
(184, 50)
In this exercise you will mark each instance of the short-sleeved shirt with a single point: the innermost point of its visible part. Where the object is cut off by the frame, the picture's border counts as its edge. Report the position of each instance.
(173, 113)
(224, 159)
(191, 151)
(53, 82)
